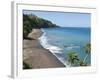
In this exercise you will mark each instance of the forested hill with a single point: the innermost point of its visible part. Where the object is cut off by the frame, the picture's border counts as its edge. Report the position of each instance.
(31, 21)
(37, 22)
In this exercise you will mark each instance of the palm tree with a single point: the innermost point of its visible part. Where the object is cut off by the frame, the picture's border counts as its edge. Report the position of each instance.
(72, 58)
(87, 49)
(82, 63)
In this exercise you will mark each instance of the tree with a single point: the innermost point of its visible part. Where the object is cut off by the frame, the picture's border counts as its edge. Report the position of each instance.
(87, 49)
(73, 58)
(31, 21)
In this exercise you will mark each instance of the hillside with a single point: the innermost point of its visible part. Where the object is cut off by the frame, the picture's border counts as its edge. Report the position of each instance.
(31, 21)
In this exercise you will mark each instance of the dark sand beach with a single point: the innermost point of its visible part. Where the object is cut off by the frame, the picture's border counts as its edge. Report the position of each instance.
(35, 55)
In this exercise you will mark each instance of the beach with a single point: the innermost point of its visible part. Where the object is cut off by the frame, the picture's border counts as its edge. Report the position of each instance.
(35, 55)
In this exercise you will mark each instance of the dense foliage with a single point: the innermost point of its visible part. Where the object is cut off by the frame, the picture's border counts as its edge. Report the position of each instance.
(31, 21)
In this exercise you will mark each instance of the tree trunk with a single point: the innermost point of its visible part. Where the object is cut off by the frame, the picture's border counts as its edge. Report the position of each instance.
(85, 58)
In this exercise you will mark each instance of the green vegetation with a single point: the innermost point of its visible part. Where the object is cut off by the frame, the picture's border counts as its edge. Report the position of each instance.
(73, 57)
(82, 63)
(31, 21)
(87, 49)
(26, 66)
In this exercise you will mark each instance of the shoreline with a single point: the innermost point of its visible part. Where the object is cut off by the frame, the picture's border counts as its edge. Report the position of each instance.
(37, 56)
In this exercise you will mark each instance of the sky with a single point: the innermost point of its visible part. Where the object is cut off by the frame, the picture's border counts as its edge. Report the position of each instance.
(64, 19)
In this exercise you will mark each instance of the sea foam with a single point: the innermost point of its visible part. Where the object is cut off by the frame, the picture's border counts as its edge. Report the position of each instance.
(53, 49)
(44, 42)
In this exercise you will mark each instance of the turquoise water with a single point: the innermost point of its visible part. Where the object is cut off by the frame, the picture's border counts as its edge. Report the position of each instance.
(62, 40)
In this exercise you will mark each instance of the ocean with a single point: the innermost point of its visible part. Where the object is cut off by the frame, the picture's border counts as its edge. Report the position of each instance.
(61, 41)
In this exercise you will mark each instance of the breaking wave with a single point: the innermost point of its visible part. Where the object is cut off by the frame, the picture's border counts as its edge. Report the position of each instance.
(53, 49)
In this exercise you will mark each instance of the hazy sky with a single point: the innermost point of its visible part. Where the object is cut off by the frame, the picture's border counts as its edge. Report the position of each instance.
(67, 19)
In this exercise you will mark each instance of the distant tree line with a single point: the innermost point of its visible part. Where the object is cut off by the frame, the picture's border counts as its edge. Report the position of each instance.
(31, 21)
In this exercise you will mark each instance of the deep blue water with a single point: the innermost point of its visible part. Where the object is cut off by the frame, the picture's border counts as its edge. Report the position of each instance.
(62, 40)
